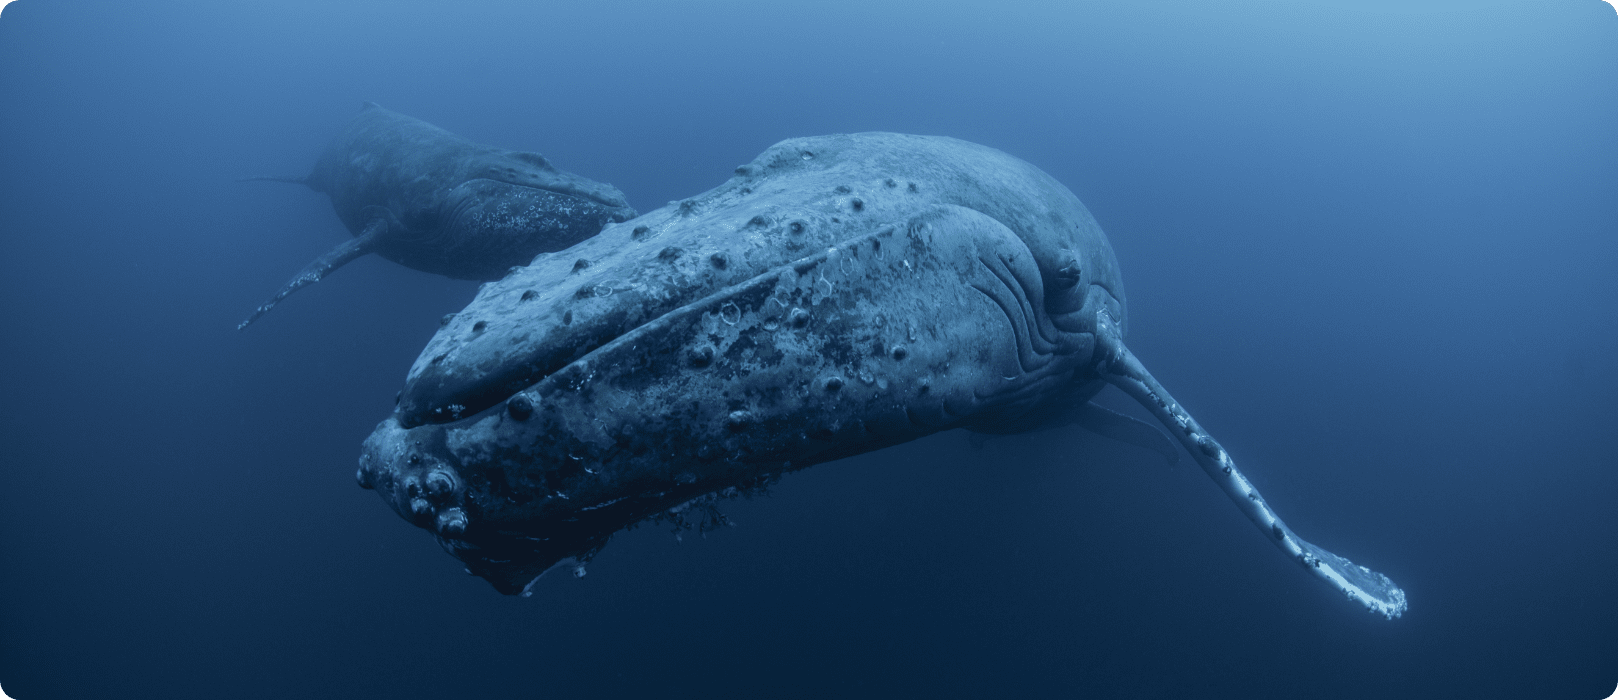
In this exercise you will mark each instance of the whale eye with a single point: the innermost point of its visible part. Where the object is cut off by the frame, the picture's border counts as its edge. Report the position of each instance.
(479, 326)
(1068, 270)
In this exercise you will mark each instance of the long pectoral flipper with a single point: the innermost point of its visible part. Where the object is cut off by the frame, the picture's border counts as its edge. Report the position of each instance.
(1119, 366)
(323, 265)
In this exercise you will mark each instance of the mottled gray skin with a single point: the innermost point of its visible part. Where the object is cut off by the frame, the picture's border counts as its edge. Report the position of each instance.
(840, 294)
(433, 201)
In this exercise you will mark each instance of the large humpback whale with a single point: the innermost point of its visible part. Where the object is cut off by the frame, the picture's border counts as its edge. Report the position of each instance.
(428, 199)
(840, 294)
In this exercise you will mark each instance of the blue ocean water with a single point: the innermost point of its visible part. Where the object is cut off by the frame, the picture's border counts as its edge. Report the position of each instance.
(1370, 245)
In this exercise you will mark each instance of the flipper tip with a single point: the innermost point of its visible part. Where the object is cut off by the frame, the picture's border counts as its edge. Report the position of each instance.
(1371, 589)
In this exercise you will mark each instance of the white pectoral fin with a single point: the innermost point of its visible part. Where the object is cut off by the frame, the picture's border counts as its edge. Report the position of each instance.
(1118, 366)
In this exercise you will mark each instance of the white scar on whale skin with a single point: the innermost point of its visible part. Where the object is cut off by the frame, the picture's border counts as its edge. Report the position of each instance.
(1120, 367)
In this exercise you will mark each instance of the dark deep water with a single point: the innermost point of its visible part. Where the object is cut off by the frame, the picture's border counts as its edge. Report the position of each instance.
(1370, 245)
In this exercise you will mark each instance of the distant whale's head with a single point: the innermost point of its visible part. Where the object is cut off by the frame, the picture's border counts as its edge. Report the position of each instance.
(838, 295)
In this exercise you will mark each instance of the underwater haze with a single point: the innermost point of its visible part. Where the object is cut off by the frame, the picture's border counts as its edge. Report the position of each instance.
(1372, 246)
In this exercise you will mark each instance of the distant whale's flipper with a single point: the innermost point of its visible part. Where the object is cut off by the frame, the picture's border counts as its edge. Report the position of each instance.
(323, 265)
(1118, 365)
(1117, 426)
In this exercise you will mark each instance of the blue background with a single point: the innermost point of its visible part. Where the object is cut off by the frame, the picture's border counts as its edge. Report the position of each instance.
(1371, 246)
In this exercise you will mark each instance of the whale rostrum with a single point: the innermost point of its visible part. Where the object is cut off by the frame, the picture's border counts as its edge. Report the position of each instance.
(433, 201)
(838, 295)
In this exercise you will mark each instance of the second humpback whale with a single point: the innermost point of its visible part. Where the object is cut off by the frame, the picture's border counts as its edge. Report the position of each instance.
(840, 294)
(430, 200)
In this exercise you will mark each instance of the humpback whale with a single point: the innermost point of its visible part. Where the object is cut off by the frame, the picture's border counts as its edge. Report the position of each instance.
(433, 201)
(838, 295)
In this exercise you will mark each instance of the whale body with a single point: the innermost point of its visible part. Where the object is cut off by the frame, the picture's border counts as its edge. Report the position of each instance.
(838, 295)
(433, 201)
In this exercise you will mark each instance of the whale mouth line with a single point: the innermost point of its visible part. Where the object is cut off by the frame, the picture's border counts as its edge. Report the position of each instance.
(558, 190)
(491, 390)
